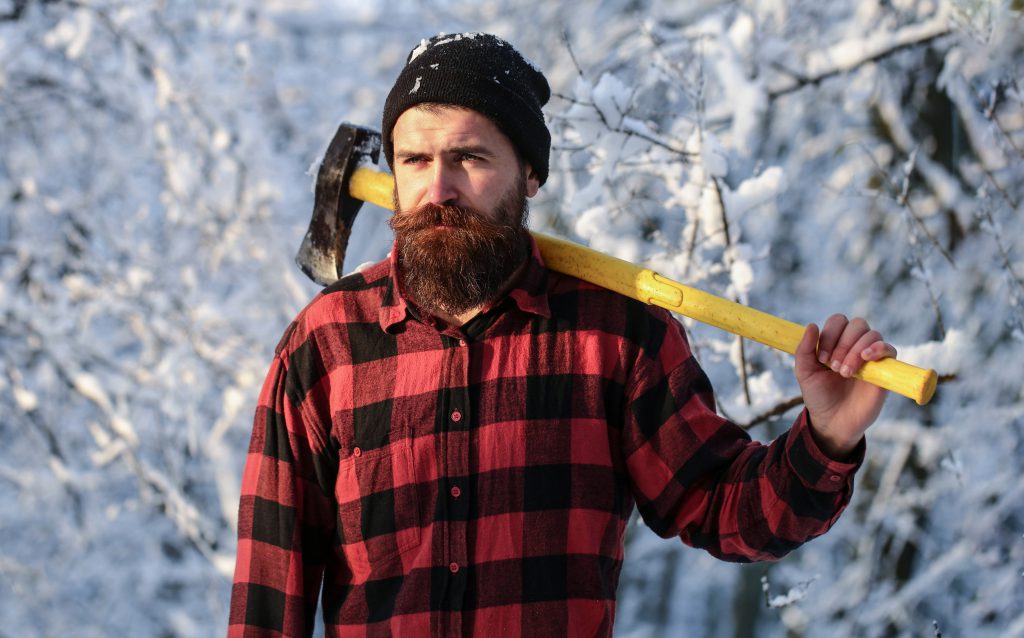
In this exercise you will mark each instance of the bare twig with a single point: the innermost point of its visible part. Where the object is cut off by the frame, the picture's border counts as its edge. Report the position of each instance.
(933, 298)
(801, 80)
(699, 100)
(57, 455)
(691, 245)
(728, 264)
(776, 411)
(668, 146)
(1004, 254)
(572, 54)
(991, 113)
(903, 199)
(1012, 203)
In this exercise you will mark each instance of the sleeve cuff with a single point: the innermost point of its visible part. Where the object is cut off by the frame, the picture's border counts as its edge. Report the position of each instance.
(816, 470)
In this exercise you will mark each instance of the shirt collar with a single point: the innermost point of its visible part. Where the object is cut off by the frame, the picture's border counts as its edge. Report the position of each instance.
(530, 293)
(393, 307)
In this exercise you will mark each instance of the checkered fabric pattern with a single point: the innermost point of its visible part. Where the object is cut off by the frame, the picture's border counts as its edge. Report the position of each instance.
(440, 481)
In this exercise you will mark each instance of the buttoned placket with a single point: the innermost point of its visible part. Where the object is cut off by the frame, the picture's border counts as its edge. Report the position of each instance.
(456, 424)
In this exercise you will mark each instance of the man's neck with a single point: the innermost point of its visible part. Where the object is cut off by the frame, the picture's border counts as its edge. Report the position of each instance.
(457, 320)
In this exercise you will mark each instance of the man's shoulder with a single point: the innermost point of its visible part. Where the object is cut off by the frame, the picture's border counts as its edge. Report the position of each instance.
(640, 331)
(368, 278)
(355, 298)
(362, 288)
(592, 296)
(592, 306)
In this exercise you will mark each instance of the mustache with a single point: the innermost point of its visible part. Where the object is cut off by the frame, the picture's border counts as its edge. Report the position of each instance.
(431, 215)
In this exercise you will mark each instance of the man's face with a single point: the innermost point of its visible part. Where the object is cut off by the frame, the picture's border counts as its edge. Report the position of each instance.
(450, 155)
(460, 208)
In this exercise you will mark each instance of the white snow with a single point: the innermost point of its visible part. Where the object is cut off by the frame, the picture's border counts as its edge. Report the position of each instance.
(152, 198)
(26, 400)
(755, 191)
(944, 356)
(419, 50)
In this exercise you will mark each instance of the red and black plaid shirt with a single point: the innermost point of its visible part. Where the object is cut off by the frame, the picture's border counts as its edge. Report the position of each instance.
(478, 481)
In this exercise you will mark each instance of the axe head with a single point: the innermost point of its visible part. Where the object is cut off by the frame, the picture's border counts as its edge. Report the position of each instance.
(322, 253)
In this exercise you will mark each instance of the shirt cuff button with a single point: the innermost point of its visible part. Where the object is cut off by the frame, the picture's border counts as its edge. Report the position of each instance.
(453, 568)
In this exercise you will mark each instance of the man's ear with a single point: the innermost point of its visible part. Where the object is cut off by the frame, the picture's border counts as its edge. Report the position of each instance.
(532, 181)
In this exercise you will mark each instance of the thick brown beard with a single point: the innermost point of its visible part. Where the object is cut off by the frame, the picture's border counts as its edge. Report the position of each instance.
(453, 258)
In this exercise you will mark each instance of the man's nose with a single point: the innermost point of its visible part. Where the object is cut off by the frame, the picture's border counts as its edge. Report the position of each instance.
(443, 188)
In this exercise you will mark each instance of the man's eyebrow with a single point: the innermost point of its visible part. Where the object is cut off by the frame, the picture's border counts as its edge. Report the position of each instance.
(471, 149)
(459, 149)
(405, 152)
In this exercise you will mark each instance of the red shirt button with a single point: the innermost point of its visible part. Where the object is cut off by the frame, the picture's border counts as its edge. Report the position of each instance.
(835, 478)
(456, 492)
(453, 568)
(456, 416)
(462, 342)
(357, 452)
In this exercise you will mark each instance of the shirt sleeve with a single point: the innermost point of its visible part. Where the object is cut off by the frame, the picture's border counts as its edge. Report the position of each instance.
(698, 476)
(286, 513)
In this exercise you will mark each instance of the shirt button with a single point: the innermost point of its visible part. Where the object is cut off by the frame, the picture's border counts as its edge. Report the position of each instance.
(456, 492)
(357, 452)
(453, 568)
(835, 478)
(456, 416)
(462, 342)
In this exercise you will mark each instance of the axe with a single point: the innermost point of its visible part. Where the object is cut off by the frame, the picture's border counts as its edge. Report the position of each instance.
(346, 179)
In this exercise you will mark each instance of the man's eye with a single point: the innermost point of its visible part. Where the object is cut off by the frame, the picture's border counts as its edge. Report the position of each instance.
(413, 159)
(469, 157)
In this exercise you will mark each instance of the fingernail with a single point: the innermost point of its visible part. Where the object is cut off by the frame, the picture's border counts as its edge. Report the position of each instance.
(835, 366)
(823, 357)
(845, 371)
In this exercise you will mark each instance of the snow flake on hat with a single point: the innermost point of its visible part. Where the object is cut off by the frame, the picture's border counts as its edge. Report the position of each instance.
(423, 46)
(442, 39)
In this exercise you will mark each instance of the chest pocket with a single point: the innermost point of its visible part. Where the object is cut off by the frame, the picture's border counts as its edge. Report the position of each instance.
(378, 508)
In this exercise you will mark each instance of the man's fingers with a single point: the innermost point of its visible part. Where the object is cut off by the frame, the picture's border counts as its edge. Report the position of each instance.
(806, 361)
(879, 350)
(854, 359)
(837, 337)
(805, 350)
(830, 331)
(852, 332)
(845, 344)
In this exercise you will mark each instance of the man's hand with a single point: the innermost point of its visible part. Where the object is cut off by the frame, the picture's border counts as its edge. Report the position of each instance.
(841, 407)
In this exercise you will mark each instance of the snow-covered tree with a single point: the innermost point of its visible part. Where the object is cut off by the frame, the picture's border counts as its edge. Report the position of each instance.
(801, 157)
(862, 158)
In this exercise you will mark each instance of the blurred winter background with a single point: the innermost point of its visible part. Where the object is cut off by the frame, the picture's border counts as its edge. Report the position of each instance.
(804, 157)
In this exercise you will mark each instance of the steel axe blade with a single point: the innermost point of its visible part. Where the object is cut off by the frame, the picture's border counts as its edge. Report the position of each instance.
(322, 253)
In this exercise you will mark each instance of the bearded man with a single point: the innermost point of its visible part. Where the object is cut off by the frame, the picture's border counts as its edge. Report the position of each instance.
(451, 442)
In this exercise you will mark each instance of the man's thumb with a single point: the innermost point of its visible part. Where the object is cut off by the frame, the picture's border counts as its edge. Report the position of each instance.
(807, 352)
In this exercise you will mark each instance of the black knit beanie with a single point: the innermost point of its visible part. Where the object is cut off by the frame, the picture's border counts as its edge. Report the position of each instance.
(483, 73)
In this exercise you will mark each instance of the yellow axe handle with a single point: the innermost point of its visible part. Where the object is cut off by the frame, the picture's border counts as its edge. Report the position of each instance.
(650, 287)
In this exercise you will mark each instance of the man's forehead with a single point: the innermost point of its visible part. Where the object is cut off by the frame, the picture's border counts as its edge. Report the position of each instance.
(444, 124)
